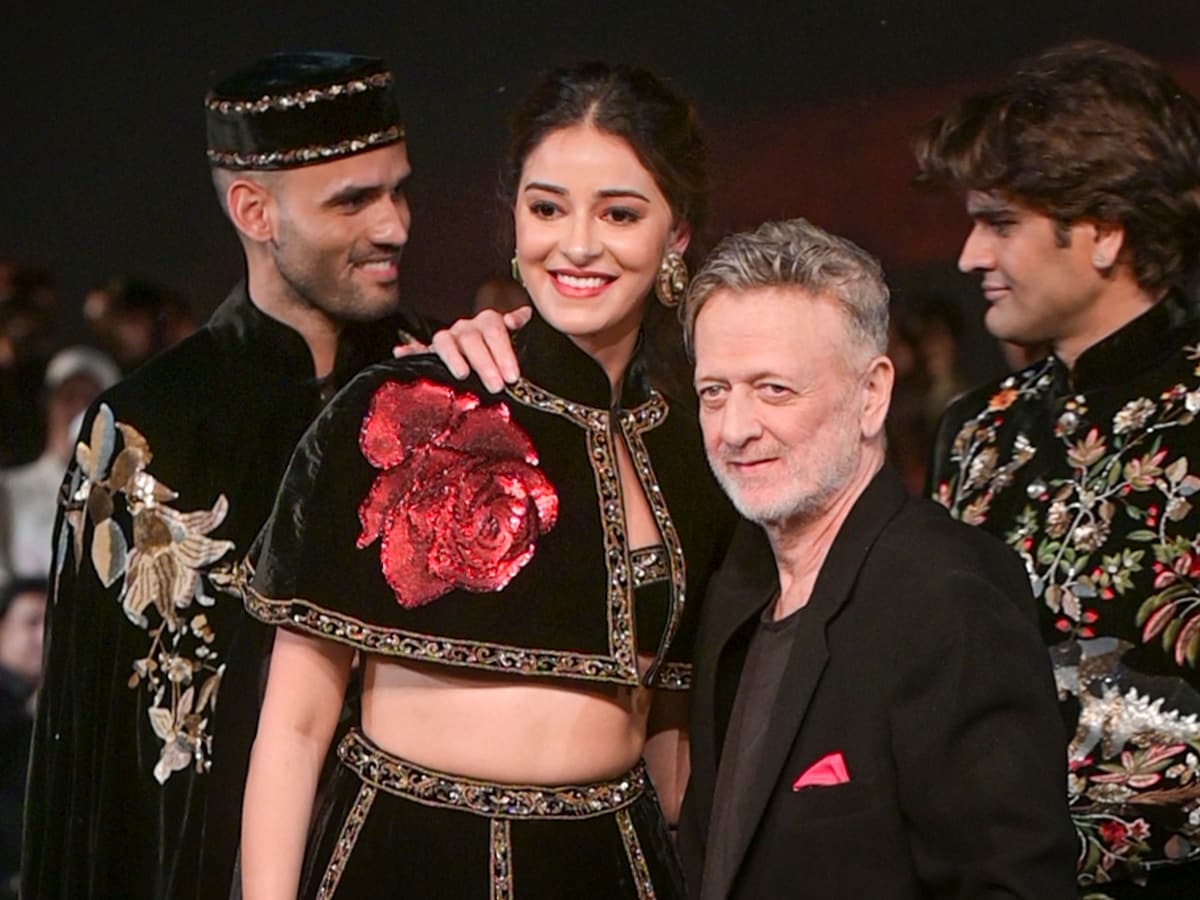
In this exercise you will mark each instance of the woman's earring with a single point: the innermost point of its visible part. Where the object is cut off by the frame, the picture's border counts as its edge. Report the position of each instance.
(516, 271)
(672, 282)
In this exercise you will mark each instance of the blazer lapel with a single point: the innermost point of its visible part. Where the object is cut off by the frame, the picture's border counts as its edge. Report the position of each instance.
(809, 655)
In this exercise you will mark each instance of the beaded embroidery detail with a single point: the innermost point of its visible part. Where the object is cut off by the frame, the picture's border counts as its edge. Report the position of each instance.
(300, 99)
(500, 862)
(637, 859)
(505, 801)
(346, 841)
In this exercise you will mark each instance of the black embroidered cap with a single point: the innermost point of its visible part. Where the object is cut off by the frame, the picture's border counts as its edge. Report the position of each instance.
(296, 109)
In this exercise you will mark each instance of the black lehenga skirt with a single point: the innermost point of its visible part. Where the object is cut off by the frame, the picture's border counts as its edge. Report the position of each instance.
(388, 828)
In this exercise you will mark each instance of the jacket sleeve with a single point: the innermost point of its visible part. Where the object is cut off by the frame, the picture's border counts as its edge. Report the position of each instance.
(68, 738)
(979, 745)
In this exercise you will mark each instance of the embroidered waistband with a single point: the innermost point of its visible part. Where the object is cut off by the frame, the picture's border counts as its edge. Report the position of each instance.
(507, 801)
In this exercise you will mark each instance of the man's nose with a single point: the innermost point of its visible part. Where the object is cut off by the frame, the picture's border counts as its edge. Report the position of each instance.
(739, 419)
(391, 223)
(976, 254)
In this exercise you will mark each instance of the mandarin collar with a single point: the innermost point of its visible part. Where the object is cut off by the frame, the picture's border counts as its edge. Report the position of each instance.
(551, 360)
(278, 349)
(1129, 351)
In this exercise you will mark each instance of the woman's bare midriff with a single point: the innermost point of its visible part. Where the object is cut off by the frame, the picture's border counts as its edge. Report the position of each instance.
(506, 728)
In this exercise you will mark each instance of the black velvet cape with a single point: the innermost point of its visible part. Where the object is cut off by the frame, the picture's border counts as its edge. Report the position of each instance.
(568, 611)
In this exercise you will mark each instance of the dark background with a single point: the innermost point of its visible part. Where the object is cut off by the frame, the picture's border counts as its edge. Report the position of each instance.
(808, 108)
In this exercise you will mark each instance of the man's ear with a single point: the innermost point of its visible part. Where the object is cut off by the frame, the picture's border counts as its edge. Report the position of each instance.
(1107, 244)
(876, 394)
(251, 209)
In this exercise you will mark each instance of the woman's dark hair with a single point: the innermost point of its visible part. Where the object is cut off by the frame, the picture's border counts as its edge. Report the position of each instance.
(662, 129)
(630, 102)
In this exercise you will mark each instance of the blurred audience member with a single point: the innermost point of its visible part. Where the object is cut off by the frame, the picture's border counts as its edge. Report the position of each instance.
(28, 493)
(909, 432)
(938, 323)
(28, 308)
(134, 320)
(22, 610)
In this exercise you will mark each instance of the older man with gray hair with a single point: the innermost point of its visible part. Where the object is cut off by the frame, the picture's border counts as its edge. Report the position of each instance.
(873, 714)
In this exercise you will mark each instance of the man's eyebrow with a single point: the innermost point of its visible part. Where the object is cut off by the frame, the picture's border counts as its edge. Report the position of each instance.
(356, 192)
(991, 209)
(350, 193)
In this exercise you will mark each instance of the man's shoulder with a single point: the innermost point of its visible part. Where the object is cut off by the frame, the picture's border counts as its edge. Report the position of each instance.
(180, 375)
(1017, 387)
(925, 552)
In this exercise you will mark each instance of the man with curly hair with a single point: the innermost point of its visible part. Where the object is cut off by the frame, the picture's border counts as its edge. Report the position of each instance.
(1081, 173)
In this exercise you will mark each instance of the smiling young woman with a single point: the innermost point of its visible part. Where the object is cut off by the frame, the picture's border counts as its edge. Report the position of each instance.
(519, 572)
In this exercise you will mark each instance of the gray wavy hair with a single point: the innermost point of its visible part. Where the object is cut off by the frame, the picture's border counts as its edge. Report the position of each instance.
(796, 253)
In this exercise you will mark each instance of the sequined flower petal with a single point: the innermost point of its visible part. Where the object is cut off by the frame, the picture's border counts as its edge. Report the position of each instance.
(404, 561)
(489, 432)
(462, 504)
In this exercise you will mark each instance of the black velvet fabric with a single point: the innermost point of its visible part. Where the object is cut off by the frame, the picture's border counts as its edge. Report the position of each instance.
(406, 849)
(220, 414)
(311, 573)
(323, 123)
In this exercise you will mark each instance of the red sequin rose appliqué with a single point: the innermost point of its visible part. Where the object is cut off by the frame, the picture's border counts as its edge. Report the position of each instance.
(460, 502)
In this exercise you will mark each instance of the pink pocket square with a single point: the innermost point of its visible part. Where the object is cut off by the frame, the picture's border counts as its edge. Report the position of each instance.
(829, 769)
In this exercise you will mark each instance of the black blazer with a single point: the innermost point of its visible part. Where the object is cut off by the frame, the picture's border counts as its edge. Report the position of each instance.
(921, 663)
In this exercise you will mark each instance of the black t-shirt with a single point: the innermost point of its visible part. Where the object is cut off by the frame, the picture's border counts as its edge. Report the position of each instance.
(758, 688)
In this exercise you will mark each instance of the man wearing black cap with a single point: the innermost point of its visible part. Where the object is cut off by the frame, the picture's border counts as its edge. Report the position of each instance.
(135, 783)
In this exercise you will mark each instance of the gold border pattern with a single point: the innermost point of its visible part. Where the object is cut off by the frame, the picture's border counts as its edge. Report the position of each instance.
(429, 787)
(301, 99)
(313, 153)
(634, 423)
(346, 841)
(637, 859)
(501, 861)
(650, 565)
(299, 614)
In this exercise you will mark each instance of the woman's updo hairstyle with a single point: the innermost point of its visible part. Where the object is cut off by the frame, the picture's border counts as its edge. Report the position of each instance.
(661, 128)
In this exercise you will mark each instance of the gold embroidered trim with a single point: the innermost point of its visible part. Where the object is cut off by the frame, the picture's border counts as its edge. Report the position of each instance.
(650, 565)
(501, 861)
(346, 841)
(597, 423)
(674, 676)
(300, 614)
(504, 801)
(634, 423)
(308, 154)
(637, 859)
(300, 98)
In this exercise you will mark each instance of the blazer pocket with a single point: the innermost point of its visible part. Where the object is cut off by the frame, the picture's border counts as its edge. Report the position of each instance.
(831, 801)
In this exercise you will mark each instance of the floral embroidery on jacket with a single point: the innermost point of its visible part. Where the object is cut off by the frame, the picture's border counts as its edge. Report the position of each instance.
(1100, 507)
(460, 501)
(164, 571)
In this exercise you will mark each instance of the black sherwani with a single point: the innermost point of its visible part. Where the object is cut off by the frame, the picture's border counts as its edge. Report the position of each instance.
(135, 781)
(1090, 474)
(919, 662)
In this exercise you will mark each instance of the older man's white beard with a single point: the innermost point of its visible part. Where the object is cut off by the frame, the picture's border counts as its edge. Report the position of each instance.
(795, 503)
